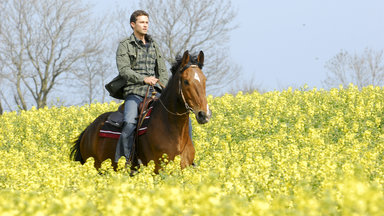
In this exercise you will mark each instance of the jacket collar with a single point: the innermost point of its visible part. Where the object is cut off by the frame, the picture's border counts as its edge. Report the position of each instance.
(133, 39)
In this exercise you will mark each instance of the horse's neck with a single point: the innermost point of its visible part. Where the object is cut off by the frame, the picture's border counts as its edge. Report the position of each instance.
(174, 106)
(170, 98)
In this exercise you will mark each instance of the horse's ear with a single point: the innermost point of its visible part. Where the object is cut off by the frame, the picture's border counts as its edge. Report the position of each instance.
(185, 59)
(200, 59)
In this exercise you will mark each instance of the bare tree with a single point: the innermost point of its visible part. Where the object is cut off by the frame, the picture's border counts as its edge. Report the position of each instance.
(361, 70)
(92, 77)
(93, 70)
(249, 85)
(195, 25)
(12, 47)
(41, 41)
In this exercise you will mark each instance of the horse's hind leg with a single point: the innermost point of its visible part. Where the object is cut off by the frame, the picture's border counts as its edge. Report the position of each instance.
(106, 148)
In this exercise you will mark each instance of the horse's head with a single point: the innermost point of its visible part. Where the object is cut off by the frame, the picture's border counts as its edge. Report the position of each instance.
(192, 87)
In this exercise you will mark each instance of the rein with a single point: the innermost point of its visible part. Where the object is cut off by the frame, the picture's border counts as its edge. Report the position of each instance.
(189, 109)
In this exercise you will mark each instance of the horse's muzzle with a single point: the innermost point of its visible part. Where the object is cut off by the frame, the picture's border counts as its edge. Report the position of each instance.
(203, 117)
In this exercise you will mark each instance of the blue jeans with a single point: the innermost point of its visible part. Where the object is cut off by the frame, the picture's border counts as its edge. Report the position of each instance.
(126, 140)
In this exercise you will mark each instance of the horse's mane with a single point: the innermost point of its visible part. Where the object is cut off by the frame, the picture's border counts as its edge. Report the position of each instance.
(179, 58)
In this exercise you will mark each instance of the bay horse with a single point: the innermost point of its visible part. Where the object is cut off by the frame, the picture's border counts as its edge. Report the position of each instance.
(168, 128)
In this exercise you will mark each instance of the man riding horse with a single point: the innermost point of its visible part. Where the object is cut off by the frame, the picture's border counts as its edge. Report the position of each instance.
(140, 63)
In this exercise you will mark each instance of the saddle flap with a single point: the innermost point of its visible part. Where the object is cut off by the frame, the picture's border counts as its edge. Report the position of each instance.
(116, 119)
(144, 105)
(145, 109)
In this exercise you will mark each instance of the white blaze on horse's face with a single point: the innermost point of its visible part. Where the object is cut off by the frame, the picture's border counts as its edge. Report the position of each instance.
(197, 77)
(194, 93)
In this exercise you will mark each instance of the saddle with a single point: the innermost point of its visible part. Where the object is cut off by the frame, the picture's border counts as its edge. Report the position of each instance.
(113, 126)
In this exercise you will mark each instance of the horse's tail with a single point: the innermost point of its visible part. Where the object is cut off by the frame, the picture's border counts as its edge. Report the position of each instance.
(75, 150)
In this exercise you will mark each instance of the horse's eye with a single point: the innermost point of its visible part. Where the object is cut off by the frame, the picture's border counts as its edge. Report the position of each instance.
(186, 82)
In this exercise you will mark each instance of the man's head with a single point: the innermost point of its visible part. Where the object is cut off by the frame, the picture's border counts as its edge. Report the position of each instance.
(139, 22)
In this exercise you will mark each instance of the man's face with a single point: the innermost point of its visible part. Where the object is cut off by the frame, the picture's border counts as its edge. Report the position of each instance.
(141, 25)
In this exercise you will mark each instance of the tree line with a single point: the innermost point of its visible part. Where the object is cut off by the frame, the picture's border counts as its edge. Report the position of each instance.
(50, 50)
(61, 53)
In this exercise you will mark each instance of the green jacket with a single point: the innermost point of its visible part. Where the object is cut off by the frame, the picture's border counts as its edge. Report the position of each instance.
(134, 62)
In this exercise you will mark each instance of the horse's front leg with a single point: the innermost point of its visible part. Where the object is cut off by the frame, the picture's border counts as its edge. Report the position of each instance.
(188, 155)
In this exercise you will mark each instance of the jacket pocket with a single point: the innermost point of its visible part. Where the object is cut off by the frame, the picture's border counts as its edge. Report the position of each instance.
(132, 58)
(132, 53)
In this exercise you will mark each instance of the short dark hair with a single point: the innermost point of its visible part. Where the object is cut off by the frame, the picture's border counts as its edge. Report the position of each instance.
(137, 13)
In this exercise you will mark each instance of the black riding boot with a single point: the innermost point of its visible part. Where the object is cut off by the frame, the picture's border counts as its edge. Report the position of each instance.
(125, 143)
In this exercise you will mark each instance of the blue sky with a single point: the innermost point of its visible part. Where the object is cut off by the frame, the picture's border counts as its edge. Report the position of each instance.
(284, 43)
(287, 43)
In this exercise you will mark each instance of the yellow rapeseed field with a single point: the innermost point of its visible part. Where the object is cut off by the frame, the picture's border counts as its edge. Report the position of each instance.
(291, 152)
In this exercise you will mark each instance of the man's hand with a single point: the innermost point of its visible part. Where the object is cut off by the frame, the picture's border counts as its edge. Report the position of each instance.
(150, 80)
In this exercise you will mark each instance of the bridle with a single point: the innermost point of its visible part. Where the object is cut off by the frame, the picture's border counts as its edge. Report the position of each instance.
(187, 107)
